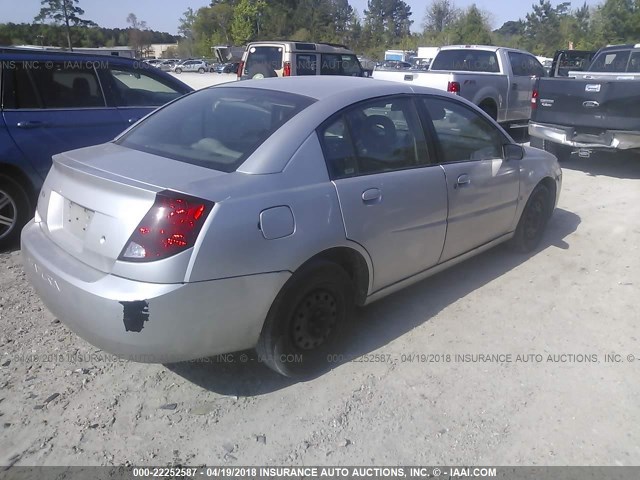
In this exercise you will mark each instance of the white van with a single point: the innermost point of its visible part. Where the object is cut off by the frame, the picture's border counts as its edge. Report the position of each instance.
(286, 59)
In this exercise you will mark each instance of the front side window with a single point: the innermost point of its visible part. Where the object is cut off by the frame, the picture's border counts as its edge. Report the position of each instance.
(373, 137)
(55, 85)
(216, 128)
(463, 134)
(137, 88)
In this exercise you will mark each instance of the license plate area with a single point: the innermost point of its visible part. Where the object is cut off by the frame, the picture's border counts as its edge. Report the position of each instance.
(76, 218)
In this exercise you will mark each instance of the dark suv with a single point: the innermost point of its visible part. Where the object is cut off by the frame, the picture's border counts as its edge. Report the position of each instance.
(54, 101)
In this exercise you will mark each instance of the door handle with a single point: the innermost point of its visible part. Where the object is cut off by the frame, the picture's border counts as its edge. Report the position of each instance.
(372, 196)
(30, 124)
(463, 180)
(132, 120)
(514, 86)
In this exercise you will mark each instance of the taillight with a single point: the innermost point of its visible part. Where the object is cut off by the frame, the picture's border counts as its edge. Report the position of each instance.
(286, 72)
(534, 98)
(453, 87)
(171, 226)
(240, 69)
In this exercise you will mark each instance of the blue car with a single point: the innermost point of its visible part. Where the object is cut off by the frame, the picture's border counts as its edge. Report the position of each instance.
(54, 101)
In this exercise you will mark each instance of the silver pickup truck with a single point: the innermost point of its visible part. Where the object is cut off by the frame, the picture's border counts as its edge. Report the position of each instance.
(499, 80)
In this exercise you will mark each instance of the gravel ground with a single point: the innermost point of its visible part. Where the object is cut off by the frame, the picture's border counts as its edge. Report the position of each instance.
(63, 402)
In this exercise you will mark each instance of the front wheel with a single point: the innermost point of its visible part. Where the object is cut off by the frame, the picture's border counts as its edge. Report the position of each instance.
(178, 70)
(306, 319)
(533, 221)
(201, 70)
(15, 212)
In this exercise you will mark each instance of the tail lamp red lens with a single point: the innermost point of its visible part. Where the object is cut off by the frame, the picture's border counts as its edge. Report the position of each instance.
(453, 87)
(286, 72)
(240, 69)
(534, 98)
(171, 226)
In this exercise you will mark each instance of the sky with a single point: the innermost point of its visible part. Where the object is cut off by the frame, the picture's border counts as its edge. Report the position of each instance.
(163, 15)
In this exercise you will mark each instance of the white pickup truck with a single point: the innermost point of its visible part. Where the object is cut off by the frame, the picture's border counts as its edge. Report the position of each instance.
(499, 80)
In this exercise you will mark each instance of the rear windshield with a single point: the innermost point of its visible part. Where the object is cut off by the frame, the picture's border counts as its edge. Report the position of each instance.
(264, 60)
(216, 128)
(466, 60)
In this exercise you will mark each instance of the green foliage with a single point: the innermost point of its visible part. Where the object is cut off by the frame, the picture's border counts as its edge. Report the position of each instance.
(384, 24)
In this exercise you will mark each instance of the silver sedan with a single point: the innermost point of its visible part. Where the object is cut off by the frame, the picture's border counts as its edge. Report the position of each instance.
(257, 214)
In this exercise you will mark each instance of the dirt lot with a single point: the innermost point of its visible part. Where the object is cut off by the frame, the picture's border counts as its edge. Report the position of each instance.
(572, 302)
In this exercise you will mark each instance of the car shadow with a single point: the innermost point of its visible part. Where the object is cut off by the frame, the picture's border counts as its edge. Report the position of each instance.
(611, 164)
(242, 374)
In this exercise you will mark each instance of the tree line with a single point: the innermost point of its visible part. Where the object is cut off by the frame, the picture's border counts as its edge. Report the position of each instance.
(384, 24)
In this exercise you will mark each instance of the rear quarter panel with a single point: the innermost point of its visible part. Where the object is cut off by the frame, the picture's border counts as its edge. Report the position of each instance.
(234, 245)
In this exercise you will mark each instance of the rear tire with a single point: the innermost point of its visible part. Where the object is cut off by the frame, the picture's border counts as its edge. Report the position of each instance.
(15, 212)
(178, 70)
(201, 70)
(533, 221)
(489, 109)
(306, 320)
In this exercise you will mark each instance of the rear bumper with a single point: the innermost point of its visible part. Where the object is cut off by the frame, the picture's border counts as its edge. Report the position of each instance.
(147, 322)
(607, 140)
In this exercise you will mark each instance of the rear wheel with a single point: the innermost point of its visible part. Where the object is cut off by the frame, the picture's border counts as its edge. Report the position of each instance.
(306, 319)
(201, 70)
(533, 220)
(178, 70)
(15, 212)
(490, 109)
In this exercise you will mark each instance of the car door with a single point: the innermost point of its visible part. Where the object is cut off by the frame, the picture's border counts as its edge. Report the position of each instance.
(55, 107)
(137, 91)
(393, 200)
(525, 68)
(482, 187)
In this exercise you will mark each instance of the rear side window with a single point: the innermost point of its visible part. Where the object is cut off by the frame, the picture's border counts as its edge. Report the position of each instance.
(466, 60)
(374, 137)
(217, 128)
(306, 64)
(138, 88)
(525, 65)
(338, 64)
(55, 85)
(264, 60)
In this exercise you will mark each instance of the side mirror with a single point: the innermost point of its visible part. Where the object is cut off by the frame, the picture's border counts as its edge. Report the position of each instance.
(513, 151)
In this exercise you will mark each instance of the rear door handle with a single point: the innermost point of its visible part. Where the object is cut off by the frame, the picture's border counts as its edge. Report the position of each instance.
(463, 180)
(372, 196)
(30, 124)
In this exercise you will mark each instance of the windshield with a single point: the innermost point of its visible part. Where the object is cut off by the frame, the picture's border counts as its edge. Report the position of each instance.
(216, 128)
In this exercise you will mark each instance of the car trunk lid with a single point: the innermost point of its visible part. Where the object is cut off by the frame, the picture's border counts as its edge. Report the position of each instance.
(94, 198)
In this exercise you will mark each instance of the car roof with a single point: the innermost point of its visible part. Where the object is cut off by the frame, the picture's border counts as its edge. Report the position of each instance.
(491, 48)
(60, 54)
(292, 46)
